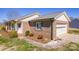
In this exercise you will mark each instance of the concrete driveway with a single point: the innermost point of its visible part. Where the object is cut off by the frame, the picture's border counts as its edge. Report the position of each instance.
(65, 39)
(70, 37)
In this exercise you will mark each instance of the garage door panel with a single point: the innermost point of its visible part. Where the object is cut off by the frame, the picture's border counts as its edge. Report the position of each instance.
(61, 29)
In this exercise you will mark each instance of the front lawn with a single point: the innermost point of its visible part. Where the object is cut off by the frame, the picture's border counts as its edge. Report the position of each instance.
(21, 45)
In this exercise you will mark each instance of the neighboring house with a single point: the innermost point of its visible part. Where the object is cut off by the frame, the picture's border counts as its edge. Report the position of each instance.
(51, 26)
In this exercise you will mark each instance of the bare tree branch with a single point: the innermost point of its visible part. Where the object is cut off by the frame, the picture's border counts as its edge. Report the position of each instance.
(13, 14)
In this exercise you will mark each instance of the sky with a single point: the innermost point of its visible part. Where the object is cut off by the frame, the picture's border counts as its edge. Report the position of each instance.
(5, 12)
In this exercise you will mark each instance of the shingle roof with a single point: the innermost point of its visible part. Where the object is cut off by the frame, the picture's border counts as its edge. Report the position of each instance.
(50, 15)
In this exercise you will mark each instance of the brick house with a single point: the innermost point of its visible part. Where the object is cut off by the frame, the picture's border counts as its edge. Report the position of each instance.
(51, 26)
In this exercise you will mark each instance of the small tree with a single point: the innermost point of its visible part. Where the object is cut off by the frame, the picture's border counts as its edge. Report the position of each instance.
(2, 28)
(12, 15)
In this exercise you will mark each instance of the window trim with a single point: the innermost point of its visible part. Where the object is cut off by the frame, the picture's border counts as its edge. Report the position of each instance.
(61, 27)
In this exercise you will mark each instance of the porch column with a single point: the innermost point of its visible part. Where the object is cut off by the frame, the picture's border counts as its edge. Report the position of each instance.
(51, 25)
(11, 27)
(16, 26)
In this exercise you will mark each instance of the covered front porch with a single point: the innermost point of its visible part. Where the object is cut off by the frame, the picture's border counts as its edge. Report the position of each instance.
(42, 28)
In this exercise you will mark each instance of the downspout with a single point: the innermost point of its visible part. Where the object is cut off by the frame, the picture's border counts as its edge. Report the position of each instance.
(51, 28)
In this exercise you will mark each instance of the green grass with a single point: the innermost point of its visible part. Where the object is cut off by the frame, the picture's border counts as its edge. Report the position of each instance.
(71, 47)
(21, 45)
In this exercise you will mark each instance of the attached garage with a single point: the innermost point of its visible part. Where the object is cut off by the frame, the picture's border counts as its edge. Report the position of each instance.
(60, 25)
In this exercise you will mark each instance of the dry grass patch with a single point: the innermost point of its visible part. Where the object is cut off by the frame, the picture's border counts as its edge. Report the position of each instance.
(73, 31)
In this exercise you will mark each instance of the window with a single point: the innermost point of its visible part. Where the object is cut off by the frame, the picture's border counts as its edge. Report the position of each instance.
(13, 27)
(38, 25)
(19, 25)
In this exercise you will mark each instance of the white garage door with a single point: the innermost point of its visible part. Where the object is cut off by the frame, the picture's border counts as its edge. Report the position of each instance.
(61, 29)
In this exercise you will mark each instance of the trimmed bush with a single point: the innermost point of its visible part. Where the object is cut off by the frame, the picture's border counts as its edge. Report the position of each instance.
(27, 33)
(40, 37)
(13, 34)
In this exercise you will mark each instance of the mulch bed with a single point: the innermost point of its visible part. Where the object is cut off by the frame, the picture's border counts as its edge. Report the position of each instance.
(38, 40)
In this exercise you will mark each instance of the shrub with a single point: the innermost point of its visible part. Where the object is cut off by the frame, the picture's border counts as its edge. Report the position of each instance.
(27, 33)
(2, 28)
(13, 34)
(40, 37)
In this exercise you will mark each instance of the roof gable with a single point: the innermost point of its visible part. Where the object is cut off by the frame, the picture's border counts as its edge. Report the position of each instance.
(64, 16)
(27, 16)
(30, 18)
